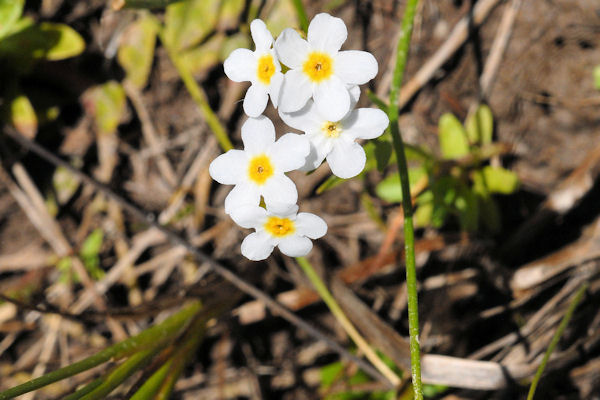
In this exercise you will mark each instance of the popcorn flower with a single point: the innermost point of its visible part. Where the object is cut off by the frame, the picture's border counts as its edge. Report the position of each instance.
(279, 225)
(319, 69)
(259, 169)
(335, 140)
(260, 67)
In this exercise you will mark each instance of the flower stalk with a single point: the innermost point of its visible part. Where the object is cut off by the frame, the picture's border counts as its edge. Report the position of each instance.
(409, 235)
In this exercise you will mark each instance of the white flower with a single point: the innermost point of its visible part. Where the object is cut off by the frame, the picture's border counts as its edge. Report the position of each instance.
(278, 225)
(335, 140)
(319, 69)
(261, 67)
(258, 170)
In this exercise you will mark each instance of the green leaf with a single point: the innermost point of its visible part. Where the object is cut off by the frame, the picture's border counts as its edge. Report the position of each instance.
(468, 209)
(10, 11)
(47, 40)
(65, 184)
(383, 153)
(281, 16)
(89, 253)
(331, 373)
(500, 180)
(23, 116)
(423, 215)
(389, 189)
(136, 52)
(597, 77)
(230, 13)
(453, 138)
(480, 125)
(330, 183)
(188, 23)
(377, 101)
(239, 40)
(430, 390)
(201, 58)
(107, 103)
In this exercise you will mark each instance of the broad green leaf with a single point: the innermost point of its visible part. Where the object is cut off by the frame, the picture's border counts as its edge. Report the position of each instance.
(47, 40)
(230, 13)
(383, 153)
(390, 190)
(500, 180)
(23, 117)
(430, 390)
(136, 51)
(597, 77)
(453, 138)
(331, 373)
(201, 58)
(89, 253)
(189, 22)
(107, 103)
(233, 42)
(423, 215)
(10, 11)
(468, 208)
(281, 16)
(480, 125)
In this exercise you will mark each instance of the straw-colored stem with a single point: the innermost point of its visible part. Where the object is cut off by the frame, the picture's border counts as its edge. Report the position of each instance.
(338, 313)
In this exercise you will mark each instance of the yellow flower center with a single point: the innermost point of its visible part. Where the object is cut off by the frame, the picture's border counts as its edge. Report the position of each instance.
(260, 169)
(265, 69)
(279, 227)
(331, 129)
(318, 66)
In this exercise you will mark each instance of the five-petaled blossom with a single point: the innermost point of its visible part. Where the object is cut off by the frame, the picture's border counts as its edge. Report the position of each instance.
(279, 225)
(260, 67)
(319, 69)
(335, 140)
(259, 169)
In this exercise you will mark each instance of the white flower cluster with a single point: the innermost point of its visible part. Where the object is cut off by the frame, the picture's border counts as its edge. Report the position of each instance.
(317, 96)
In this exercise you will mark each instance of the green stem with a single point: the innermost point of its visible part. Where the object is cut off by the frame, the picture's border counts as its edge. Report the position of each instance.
(563, 325)
(150, 338)
(409, 235)
(301, 13)
(338, 313)
(198, 95)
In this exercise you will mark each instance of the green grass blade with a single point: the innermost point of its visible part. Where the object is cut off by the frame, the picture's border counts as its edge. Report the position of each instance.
(301, 13)
(563, 325)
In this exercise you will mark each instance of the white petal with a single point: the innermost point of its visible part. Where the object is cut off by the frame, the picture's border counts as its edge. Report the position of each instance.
(365, 123)
(229, 168)
(332, 99)
(249, 216)
(327, 33)
(354, 91)
(284, 210)
(260, 35)
(295, 246)
(289, 152)
(355, 66)
(256, 100)
(320, 147)
(291, 49)
(307, 119)
(347, 159)
(275, 88)
(240, 66)
(310, 225)
(257, 246)
(243, 194)
(258, 134)
(295, 91)
(279, 189)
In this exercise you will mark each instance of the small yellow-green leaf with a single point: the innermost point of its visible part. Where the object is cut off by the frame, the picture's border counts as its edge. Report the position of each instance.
(136, 51)
(453, 138)
(10, 11)
(92, 244)
(597, 77)
(107, 103)
(188, 22)
(480, 125)
(23, 116)
(390, 190)
(500, 180)
(65, 184)
(47, 40)
(423, 215)
(233, 42)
